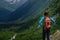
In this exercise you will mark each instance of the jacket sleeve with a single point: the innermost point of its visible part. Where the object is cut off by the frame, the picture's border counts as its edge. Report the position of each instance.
(53, 21)
(41, 21)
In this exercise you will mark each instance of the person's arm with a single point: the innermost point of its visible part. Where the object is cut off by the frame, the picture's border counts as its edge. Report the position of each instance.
(53, 21)
(41, 21)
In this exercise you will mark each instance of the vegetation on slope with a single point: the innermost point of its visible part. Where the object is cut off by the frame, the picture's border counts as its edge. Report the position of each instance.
(31, 32)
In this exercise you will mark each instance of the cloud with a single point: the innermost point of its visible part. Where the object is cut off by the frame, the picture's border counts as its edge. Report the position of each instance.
(12, 1)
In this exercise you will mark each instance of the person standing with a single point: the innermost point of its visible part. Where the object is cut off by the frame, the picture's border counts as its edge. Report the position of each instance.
(46, 22)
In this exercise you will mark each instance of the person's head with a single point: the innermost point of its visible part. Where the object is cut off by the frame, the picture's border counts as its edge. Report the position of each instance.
(46, 13)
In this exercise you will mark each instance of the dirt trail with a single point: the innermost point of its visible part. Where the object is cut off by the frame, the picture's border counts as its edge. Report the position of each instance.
(55, 36)
(13, 37)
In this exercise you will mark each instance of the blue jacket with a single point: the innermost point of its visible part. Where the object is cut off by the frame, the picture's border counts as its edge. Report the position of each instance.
(42, 20)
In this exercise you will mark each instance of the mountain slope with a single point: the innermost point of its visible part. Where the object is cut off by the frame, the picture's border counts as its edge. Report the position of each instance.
(31, 32)
(4, 15)
(29, 11)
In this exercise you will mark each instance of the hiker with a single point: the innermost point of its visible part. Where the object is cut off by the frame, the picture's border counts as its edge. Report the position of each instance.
(46, 22)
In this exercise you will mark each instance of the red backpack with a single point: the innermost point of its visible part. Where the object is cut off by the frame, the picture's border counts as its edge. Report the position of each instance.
(47, 23)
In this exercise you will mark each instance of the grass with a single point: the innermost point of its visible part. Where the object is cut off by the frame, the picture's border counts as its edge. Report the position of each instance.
(31, 33)
(5, 35)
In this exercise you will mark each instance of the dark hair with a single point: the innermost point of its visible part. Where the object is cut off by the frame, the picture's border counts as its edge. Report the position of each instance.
(46, 13)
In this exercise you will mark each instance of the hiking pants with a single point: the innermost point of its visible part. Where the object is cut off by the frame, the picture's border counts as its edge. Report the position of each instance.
(46, 34)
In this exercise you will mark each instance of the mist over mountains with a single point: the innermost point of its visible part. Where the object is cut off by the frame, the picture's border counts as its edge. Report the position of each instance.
(22, 13)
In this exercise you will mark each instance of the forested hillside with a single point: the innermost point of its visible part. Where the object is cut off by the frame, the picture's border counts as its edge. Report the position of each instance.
(29, 30)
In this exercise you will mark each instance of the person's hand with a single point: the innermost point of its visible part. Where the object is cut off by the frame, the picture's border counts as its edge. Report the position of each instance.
(38, 27)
